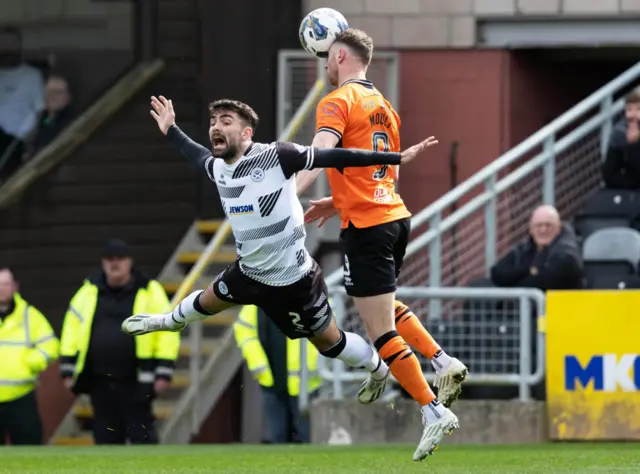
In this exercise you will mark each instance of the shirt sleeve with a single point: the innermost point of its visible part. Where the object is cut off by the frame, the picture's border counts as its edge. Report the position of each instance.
(294, 158)
(331, 115)
(195, 152)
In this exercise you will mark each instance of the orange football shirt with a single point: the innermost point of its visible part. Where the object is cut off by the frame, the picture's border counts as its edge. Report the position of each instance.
(361, 117)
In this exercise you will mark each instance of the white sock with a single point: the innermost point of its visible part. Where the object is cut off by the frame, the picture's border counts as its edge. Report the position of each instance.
(441, 361)
(433, 412)
(188, 310)
(357, 353)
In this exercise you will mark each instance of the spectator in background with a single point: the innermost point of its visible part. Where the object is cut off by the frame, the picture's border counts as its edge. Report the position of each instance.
(621, 169)
(21, 100)
(27, 346)
(57, 114)
(549, 259)
(274, 361)
(120, 373)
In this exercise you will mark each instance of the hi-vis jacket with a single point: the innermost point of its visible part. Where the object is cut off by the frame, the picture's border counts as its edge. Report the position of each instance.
(27, 346)
(247, 337)
(156, 352)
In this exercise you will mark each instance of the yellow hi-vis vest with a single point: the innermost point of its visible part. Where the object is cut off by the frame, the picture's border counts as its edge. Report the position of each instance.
(27, 346)
(245, 330)
(156, 352)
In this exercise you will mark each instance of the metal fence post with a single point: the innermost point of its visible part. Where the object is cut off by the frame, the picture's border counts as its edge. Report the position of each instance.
(605, 132)
(435, 266)
(303, 397)
(195, 338)
(490, 224)
(549, 172)
(525, 348)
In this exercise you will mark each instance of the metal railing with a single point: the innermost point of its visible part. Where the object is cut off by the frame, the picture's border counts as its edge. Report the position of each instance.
(494, 330)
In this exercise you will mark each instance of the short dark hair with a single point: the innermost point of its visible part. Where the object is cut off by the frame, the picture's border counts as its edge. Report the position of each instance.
(633, 97)
(243, 111)
(358, 41)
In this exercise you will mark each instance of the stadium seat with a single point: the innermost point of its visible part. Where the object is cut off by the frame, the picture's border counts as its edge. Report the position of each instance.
(611, 245)
(613, 203)
(614, 251)
(612, 282)
(585, 225)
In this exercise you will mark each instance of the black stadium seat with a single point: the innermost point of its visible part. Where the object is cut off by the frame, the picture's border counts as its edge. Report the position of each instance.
(608, 208)
(614, 268)
(613, 203)
(612, 282)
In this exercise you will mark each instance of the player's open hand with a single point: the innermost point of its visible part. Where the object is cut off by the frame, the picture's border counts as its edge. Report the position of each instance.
(163, 113)
(321, 209)
(410, 153)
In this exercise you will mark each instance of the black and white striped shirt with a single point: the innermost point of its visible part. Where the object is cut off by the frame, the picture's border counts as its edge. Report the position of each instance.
(259, 198)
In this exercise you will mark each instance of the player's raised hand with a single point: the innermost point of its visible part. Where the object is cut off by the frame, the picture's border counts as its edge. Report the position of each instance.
(163, 113)
(411, 152)
(321, 209)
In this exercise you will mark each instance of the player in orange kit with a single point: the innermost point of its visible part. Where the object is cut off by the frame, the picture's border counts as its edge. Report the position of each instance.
(375, 233)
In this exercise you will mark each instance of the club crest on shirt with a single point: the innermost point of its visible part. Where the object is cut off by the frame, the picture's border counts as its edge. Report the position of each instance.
(223, 288)
(257, 174)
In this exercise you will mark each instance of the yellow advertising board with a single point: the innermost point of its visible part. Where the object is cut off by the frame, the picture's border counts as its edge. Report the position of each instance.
(593, 365)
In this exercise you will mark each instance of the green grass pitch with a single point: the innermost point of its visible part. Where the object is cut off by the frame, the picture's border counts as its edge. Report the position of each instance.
(386, 459)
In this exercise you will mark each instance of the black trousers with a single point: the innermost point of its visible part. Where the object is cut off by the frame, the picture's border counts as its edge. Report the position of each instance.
(121, 413)
(20, 420)
(14, 159)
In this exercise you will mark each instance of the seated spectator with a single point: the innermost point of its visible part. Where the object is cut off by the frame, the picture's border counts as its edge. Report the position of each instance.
(57, 114)
(548, 259)
(621, 169)
(21, 100)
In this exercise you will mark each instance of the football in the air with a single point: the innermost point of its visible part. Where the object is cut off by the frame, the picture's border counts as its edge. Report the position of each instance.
(319, 29)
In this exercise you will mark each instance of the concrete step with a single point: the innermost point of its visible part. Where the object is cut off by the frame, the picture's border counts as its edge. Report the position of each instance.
(209, 227)
(226, 254)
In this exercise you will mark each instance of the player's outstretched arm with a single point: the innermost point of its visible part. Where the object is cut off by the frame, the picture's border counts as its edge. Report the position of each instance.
(294, 157)
(306, 178)
(165, 117)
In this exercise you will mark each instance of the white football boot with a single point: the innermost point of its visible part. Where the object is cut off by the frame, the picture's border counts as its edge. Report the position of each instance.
(434, 433)
(449, 382)
(139, 324)
(372, 389)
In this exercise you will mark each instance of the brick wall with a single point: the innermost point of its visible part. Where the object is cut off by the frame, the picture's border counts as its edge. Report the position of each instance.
(452, 23)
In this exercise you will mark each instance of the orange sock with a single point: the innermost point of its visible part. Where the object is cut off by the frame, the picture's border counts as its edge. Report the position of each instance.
(405, 367)
(411, 329)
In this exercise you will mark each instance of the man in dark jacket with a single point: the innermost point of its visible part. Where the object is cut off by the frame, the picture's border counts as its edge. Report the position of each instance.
(121, 374)
(621, 168)
(549, 259)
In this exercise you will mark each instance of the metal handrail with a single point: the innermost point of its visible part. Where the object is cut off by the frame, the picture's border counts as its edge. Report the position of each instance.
(524, 379)
(509, 180)
(602, 97)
